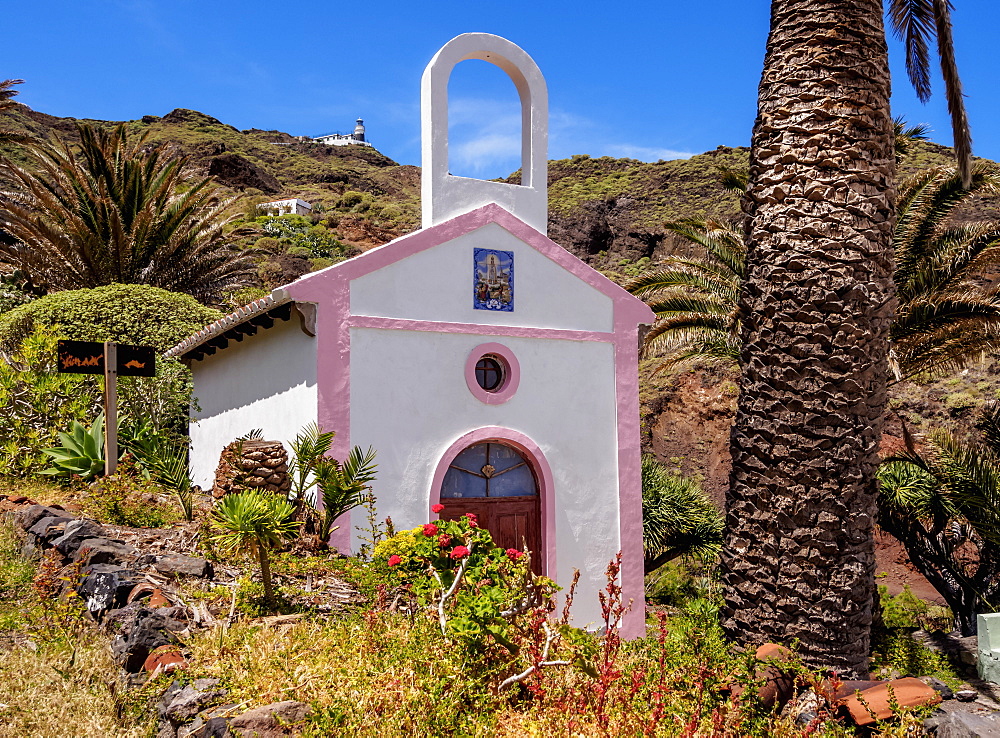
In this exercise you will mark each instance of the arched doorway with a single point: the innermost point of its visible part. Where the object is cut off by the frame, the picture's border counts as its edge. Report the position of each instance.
(497, 483)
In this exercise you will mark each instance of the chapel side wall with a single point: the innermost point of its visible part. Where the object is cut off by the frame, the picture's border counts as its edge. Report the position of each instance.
(267, 381)
(410, 401)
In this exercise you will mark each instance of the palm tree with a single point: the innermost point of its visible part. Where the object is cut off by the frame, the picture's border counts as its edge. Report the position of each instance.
(695, 298)
(947, 313)
(7, 92)
(943, 504)
(816, 305)
(117, 212)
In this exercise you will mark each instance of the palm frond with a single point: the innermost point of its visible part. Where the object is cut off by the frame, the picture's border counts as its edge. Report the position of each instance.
(117, 212)
(912, 21)
(953, 90)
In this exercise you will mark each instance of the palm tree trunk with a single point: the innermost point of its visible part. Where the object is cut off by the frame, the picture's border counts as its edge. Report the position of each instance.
(799, 555)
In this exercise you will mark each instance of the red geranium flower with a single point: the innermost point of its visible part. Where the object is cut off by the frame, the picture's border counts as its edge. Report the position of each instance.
(459, 552)
(513, 554)
(473, 521)
(430, 529)
(437, 508)
(444, 540)
(394, 559)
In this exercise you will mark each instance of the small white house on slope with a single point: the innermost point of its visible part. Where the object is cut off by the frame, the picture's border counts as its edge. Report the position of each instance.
(491, 370)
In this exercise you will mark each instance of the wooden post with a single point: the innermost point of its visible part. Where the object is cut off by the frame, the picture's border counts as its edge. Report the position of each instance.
(110, 407)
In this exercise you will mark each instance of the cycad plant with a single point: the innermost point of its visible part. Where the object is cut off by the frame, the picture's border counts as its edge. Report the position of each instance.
(677, 518)
(342, 487)
(252, 522)
(116, 211)
(947, 315)
(308, 449)
(942, 503)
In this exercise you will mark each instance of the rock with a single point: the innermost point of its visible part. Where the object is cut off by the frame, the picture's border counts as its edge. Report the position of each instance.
(140, 631)
(966, 695)
(239, 173)
(75, 533)
(940, 687)
(960, 724)
(178, 564)
(270, 721)
(104, 551)
(106, 586)
(179, 704)
(28, 516)
(49, 527)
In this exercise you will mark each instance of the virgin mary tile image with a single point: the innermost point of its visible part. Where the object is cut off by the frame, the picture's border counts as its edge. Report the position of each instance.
(493, 280)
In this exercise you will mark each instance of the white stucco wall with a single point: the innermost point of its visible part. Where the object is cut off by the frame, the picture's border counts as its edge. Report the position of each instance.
(410, 400)
(266, 381)
(437, 284)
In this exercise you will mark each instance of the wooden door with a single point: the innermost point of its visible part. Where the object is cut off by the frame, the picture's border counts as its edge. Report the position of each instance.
(496, 483)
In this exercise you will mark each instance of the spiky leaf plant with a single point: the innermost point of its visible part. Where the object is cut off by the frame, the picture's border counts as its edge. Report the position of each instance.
(308, 449)
(342, 486)
(677, 518)
(942, 501)
(250, 523)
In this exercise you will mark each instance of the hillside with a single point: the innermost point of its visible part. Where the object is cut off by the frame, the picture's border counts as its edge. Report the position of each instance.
(609, 212)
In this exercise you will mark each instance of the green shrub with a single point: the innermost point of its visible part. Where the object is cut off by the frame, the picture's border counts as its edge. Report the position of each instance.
(127, 313)
(38, 402)
(128, 498)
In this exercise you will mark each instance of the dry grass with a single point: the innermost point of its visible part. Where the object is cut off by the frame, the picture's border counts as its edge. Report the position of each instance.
(60, 690)
(56, 671)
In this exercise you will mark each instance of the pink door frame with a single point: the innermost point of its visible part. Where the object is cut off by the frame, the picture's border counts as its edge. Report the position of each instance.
(539, 465)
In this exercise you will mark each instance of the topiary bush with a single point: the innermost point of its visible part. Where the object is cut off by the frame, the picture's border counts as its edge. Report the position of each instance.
(127, 313)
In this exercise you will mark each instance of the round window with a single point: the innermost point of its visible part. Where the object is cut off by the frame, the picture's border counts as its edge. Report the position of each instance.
(490, 373)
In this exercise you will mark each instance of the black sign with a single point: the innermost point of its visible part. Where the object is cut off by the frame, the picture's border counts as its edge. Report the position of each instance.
(87, 357)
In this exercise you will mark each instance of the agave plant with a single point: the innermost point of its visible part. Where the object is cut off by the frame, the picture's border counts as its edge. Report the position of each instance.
(342, 486)
(250, 523)
(81, 453)
(677, 518)
(117, 211)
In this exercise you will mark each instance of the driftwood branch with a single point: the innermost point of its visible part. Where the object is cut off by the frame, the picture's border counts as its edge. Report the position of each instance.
(447, 595)
(550, 636)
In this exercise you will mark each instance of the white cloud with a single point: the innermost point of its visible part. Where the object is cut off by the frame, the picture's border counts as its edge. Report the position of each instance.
(646, 153)
(486, 138)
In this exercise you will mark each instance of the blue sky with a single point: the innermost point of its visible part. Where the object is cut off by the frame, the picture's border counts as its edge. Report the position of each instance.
(649, 80)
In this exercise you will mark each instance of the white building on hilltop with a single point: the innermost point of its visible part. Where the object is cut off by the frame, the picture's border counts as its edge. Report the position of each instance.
(342, 139)
(292, 206)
